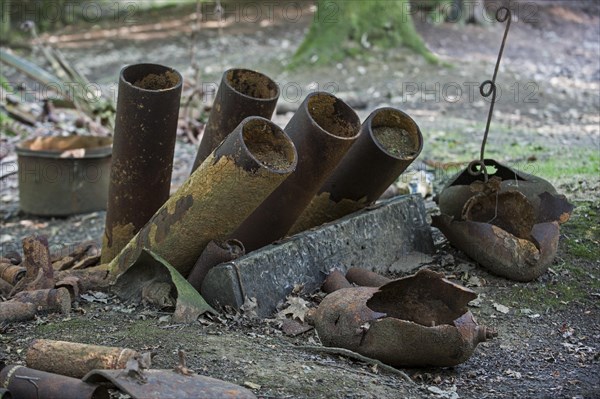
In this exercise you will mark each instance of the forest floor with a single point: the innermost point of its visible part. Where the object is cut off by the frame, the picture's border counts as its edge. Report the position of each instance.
(546, 122)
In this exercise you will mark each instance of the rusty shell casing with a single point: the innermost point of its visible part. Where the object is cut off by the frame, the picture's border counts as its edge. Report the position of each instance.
(214, 254)
(11, 273)
(242, 93)
(388, 143)
(75, 359)
(254, 159)
(335, 281)
(366, 278)
(143, 148)
(323, 129)
(47, 300)
(26, 383)
(419, 320)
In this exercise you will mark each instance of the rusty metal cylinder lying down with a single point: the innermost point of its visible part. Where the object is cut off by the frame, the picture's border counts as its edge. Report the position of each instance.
(26, 383)
(74, 359)
(242, 171)
(214, 254)
(242, 93)
(389, 142)
(335, 281)
(323, 129)
(11, 273)
(366, 278)
(143, 148)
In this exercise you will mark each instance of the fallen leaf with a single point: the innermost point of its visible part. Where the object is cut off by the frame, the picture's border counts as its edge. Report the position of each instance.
(297, 308)
(501, 308)
(251, 385)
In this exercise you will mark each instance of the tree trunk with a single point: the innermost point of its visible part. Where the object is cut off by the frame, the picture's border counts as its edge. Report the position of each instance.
(347, 28)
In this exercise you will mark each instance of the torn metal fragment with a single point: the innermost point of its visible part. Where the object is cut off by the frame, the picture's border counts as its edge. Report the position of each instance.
(148, 275)
(168, 384)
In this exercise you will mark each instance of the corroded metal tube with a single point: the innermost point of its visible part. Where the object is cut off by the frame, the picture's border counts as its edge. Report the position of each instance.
(26, 383)
(143, 148)
(75, 359)
(254, 159)
(323, 129)
(389, 142)
(242, 93)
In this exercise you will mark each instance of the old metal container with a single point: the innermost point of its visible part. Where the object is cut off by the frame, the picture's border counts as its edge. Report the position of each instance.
(145, 131)
(60, 176)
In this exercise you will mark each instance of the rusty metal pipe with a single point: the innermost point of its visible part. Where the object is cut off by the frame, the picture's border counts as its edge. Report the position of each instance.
(143, 148)
(242, 93)
(26, 383)
(254, 159)
(389, 142)
(323, 129)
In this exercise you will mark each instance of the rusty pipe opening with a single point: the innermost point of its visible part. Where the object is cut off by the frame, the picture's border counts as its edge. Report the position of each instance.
(268, 145)
(152, 77)
(252, 84)
(332, 116)
(395, 133)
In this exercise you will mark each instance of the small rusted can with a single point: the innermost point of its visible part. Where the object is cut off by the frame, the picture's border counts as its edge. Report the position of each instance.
(60, 176)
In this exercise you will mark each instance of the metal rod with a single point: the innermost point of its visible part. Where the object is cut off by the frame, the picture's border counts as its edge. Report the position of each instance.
(478, 167)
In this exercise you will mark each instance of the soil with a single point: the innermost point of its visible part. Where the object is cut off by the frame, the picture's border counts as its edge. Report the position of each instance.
(396, 141)
(252, 84)
(322, 109)
(546, 121)
(154, 81)
(270, 148)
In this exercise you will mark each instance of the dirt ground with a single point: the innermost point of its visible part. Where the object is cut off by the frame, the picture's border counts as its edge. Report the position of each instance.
(546, 122)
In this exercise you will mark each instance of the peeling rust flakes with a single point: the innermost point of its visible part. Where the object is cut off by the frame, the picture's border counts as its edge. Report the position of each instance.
(164, 219)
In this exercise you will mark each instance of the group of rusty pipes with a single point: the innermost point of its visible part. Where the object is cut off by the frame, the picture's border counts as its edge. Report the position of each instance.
(252, 183)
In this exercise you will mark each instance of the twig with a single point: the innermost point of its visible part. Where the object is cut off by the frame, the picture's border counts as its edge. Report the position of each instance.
(353, 355)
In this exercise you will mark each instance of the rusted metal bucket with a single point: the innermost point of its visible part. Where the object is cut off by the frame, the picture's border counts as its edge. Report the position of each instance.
(323, 129)
(389, 142)
(26, 383)
(254, 159)
(144, 144)
(60, 176)
(242, 93)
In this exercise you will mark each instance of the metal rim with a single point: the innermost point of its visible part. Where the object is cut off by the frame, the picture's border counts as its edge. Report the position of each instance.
(270, 82)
